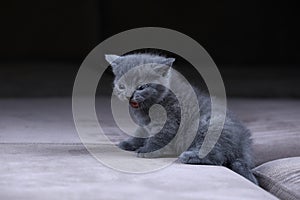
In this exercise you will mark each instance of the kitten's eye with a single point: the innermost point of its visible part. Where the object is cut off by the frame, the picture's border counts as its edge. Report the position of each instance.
(121, 86)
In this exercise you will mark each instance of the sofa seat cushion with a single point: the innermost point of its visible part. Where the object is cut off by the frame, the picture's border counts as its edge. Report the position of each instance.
(68, 171)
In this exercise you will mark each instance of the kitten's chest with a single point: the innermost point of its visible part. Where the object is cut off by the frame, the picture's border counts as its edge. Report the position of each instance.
(152, 120)
(139, 116)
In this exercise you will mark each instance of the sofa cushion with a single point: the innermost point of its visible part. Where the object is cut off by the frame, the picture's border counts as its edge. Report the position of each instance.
(67, 171)
(272, 145)
(280, 177)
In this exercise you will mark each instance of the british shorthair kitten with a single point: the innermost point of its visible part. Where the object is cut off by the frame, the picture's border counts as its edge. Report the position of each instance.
(141, 89)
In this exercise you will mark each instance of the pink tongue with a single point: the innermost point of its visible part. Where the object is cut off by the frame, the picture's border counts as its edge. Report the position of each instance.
(134, 104)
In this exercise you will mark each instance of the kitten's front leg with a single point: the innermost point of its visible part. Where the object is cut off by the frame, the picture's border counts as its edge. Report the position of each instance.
(148, 150)
(134, 143)
(153, 145)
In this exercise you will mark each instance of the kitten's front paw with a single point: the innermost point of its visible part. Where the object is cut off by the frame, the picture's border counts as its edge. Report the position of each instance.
(141, 155)
(188, 157)
(143, 152)
(146, 155)
(126, 146)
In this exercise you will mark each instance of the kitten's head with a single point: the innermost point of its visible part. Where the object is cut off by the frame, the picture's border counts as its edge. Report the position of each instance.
(139, 77)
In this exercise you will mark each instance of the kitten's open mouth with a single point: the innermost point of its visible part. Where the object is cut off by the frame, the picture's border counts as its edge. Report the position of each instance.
(134, 104)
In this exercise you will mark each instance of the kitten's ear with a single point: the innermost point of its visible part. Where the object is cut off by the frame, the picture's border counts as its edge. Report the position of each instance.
(168, 61)
(164, 67)
(110, 58)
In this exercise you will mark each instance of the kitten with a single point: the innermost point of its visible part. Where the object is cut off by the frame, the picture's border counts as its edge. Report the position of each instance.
(142, 89)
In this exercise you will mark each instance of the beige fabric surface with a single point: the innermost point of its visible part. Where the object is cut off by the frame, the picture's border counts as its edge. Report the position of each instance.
(68, 171)
(281, 177)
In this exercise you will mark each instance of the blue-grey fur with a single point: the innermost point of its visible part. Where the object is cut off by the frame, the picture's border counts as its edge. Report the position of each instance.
(233, 149)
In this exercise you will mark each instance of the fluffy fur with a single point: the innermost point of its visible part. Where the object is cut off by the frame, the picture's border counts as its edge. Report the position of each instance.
(233, 149)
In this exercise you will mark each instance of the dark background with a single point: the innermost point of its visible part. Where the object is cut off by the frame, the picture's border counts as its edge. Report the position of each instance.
(254, 43)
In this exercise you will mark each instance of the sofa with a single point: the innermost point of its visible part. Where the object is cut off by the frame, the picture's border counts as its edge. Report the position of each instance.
(42, 157)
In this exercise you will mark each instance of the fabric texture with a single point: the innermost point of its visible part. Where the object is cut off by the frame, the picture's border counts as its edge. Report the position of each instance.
(280, 177)
(272, 145)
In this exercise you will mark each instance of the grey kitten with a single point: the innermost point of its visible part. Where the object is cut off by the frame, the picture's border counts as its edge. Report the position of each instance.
(142, 89)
